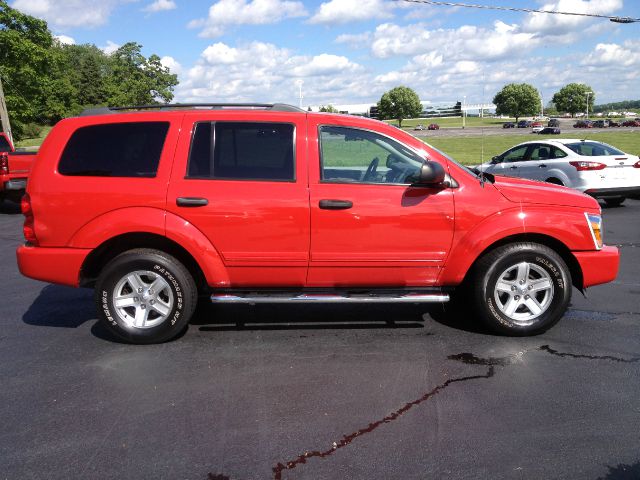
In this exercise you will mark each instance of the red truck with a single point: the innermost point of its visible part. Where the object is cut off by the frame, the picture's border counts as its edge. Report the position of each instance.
(156, 207)
(14, 170)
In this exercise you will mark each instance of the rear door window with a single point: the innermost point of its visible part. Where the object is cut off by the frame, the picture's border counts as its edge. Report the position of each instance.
(4, 144)
(115, 150)
(242, 151)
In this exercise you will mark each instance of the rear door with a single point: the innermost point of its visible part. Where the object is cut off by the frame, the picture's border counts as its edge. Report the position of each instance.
(241, 179)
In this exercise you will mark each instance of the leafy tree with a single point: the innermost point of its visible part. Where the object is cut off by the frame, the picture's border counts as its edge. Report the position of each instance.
(25, 62)
(329, 108)
(136, 80)
(517, 100)
(572, 98)
(399, 103)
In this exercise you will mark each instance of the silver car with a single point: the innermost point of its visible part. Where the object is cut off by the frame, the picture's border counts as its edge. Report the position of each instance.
(594, 168)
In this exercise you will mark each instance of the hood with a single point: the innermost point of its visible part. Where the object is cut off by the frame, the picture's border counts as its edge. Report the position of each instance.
(519, 190)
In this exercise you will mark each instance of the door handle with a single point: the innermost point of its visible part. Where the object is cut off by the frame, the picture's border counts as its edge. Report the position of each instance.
(191, 202)
(513, 168)
(335, 204)
(542, 166)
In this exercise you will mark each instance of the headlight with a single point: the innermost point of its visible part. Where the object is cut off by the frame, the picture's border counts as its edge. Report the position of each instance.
(595, 225)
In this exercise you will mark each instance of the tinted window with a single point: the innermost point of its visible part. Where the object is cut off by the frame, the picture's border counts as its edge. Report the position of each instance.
(4, 144)
(593, 149)
(115, 150)
(351, 155)
(242, 150)
(515, 155)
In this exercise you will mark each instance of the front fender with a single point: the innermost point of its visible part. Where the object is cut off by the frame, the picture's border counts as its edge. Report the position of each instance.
(566, 225)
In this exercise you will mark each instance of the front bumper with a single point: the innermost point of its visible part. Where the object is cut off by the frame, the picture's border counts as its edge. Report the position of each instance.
(54, 265)
(613, 192)
(598, 266)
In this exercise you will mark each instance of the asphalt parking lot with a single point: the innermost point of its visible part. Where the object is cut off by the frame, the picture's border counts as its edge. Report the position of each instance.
(320, 392)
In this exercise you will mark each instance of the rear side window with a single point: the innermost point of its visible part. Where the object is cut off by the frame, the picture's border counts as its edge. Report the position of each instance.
(243, 151)
(115, 150)
(4, 144)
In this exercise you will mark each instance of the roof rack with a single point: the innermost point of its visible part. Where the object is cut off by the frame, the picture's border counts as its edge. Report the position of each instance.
(272, 107)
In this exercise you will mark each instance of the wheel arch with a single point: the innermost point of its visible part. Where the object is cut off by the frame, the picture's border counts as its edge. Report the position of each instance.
(565, 253)
(111, 248)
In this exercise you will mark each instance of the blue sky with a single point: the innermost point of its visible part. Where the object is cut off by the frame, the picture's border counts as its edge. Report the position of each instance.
(352, 51)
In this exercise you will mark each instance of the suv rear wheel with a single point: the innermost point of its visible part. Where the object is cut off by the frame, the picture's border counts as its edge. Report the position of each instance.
(521, 289)
(145, 296)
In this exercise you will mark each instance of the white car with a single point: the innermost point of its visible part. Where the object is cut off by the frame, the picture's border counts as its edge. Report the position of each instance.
(594, 168)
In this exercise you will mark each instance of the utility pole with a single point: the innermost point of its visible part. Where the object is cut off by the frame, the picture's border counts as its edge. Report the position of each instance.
(4, 114)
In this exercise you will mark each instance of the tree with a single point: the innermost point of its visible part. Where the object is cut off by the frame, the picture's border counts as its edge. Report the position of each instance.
(25, 63)
(399, 103)
(517, 100)
(329, 108)
(136, 80)
(572, 98)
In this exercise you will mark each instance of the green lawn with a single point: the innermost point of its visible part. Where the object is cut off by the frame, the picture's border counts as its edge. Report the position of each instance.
(453, 122)
(35, 142)
(477, 149)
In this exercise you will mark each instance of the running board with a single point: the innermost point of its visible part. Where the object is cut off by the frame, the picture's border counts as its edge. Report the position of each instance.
(274, 297)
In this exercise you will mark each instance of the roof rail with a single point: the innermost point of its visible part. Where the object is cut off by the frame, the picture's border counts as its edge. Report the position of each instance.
(273, 107)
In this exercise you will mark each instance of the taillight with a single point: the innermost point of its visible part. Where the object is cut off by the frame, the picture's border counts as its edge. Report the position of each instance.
(637, 164)
(582, 166)
(4, 163)
(28, 229)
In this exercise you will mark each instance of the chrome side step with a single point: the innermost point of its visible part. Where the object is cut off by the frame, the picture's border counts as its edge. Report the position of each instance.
(254, 297)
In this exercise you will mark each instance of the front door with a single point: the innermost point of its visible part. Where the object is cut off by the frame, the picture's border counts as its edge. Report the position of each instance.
(369, 226)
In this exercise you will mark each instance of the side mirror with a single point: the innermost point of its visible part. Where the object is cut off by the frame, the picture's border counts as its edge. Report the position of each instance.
(496, 159)
(431, 174)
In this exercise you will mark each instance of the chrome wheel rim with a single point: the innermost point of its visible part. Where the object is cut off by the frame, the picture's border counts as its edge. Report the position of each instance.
(143, 299)
(524, 292)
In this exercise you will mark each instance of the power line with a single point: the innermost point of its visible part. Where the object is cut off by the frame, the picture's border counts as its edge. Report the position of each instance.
(526, 10)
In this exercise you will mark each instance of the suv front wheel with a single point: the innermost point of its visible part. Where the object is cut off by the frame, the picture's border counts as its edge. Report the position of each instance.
(521, 288)
(145, 296)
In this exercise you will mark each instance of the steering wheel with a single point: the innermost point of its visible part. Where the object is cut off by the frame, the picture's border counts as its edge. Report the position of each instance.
(371, 170)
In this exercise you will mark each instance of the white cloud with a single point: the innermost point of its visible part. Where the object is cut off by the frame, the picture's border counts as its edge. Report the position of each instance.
(346, 11)
(264, 72)
(242, 12)
(160, 6)
(464, 43)
(65, 39)
(171, 63)
(355, 40)
(110, 47)
(69, 13)
(550, 24)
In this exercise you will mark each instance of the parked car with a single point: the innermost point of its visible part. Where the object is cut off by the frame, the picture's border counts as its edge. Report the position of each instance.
(594, 168)
(508, 125)
(273, 204)
(536, 124)
(550, 131)
(583, 124)
(601, 124)
(419, 127)
(537, 129)
(524, 124)
(433, 126)
(14, 172)
(613, 123)
(631, 123)
(554, 122)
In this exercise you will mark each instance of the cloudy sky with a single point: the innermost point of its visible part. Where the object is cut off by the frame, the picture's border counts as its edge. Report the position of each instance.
(351, 51)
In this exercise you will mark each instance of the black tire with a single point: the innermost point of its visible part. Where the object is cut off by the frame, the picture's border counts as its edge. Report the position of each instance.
(614, 202)
(546, 286)
(175, 299)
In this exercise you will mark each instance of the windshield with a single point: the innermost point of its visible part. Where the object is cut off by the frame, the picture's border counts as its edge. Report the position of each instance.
(593, 149)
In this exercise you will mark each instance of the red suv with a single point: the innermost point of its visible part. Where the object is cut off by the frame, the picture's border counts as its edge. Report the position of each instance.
(268, 203)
